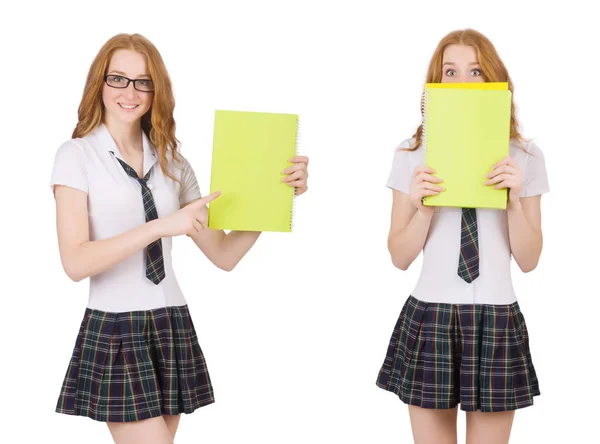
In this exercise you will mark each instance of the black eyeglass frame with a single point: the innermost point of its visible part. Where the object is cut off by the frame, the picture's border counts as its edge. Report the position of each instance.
(128, 82)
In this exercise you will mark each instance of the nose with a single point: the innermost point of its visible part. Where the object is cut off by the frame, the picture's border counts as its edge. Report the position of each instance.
(129, 92)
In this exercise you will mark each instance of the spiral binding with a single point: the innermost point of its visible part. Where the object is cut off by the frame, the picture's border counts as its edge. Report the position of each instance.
(424, 125)
(294, 209)
(424, 122)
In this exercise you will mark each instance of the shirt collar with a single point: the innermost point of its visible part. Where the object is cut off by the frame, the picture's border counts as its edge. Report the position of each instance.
(106, 141)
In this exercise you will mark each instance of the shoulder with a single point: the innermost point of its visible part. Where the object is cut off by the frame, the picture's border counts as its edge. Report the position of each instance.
(178, 165)
(403, 164)
(406, 153)
(527, 154)
(178, 161)
(406, 147)
(73, 148)
(526, 149)
(87, 147)
(407, 143)
(71, 145)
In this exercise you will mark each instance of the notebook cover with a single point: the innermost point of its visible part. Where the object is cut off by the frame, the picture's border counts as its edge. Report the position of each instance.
(250, 151)
(466, 132)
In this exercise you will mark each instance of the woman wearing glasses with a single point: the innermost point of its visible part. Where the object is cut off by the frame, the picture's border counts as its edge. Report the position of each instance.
(122, 192)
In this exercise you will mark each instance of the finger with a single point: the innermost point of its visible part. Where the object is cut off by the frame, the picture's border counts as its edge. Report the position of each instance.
(295, 167)
(501, 169)
(500, 186)
(424, 177)
(295, 176)
(424, 193)
(430, 186)
(422, 169)
(202, 221)
(505, 184)
(209, 198)
(504, 161)
(302, 159)
(198, 226)
(499, 178)
(297, 183)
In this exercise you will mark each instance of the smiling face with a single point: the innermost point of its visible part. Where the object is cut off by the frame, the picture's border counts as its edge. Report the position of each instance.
(126, 105)
(459, 64)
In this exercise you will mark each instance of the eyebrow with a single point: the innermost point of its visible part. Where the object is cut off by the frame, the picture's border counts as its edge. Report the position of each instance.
(452, 63)
(123, 74)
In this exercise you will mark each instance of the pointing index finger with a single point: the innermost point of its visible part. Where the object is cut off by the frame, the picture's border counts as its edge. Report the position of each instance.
(209, 198)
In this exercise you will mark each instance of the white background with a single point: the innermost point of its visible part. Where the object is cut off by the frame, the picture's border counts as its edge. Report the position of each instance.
(294, 337)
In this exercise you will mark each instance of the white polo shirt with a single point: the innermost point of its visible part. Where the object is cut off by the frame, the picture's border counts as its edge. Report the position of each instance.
(115, 206)
(439, 281)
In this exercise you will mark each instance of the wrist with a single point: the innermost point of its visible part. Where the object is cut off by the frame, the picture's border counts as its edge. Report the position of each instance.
(425, 213)
(155, 227)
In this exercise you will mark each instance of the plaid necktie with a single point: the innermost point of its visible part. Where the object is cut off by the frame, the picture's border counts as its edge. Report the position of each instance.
(468, 264)
(155, 266)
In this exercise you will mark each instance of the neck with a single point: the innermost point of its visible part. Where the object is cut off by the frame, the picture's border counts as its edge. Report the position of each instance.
(128, 137)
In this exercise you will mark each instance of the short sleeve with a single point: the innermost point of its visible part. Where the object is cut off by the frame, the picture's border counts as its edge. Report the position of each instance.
(535, 177)
(401, 172)
(189, 184)
(69, 167)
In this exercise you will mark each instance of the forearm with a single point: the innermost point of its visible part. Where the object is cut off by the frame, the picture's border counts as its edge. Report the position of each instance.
(94, 257)
(406, 244)
(225, 250)
(525, 240)
(235, 245)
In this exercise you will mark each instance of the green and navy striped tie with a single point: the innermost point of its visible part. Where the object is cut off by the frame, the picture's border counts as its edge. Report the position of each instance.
(468, 263)
(155, 266)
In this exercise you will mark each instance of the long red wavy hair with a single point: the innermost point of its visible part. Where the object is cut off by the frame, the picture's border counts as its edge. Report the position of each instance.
(492, 68)
(158, 123)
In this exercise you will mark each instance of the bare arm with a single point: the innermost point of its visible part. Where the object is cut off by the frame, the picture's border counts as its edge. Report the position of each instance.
(224, 250)
(524, 214)
(227, 250)
(525, 231)
(408, 230)
(410, 218)
(81, 257)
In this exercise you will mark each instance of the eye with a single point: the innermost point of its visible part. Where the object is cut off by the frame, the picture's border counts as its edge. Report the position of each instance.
(476, 72)
(143, 82)
(450, 72)
(117, 79)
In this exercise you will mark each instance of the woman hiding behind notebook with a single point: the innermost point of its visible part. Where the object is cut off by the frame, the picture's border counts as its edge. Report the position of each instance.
(122, 192)
(461, 338)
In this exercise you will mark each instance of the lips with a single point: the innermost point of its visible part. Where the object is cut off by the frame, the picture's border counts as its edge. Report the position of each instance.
(128, 107)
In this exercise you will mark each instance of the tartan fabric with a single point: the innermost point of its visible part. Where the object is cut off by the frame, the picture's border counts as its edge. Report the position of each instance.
(135, 365)
(441, 355)
(155, 266)
(468, 263)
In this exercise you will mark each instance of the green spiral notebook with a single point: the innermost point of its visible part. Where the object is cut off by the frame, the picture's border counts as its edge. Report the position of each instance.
(465, 132)
(250, 151)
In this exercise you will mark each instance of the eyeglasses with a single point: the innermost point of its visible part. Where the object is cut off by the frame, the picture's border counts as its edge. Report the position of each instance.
(115, 81)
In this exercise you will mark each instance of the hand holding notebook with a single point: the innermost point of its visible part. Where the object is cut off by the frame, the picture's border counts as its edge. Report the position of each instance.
(424, 183)
(250, 152)
(506, 174)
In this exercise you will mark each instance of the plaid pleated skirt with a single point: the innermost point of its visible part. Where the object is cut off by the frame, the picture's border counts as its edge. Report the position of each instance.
(135, 365)
(441, 355)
